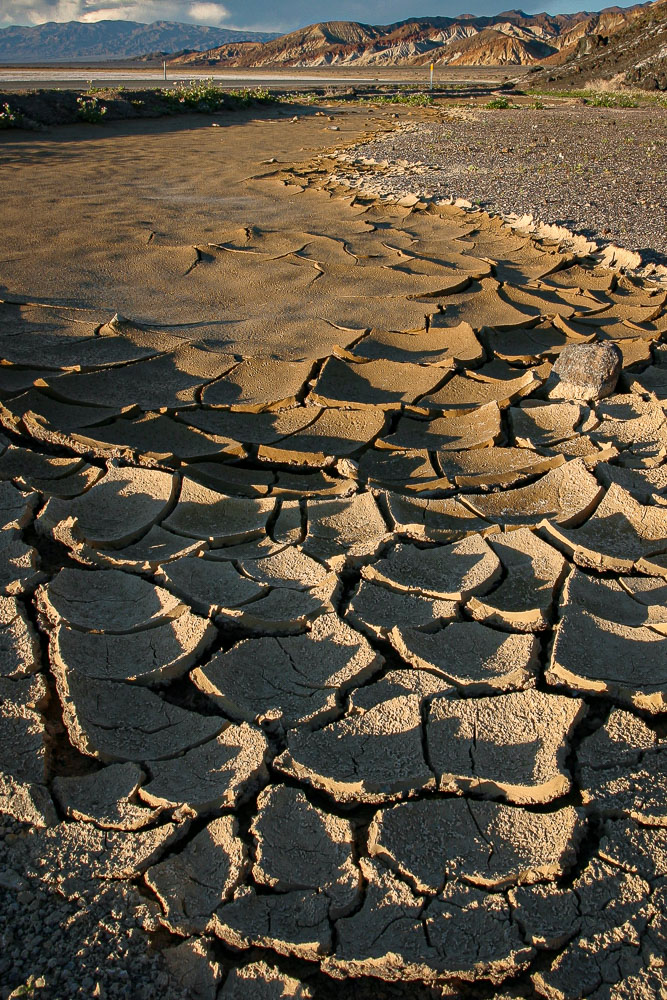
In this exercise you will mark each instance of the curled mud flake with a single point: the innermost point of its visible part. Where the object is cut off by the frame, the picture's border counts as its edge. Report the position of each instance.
(466, 393)
(434, 520)
(105, 601)
(620, 536)
(404, 471)
(19, 645)
(283, 611)
(301, 847)
(258, 384)
(123, 722)
(376, 610)
(23, 463)
(375, 756)
(290, 923)
(375, 384)
(218, 519)
(332, 435)
(150, 656)
(194, 967)
(16, 508)
(344, 532)
(221, 773)
(23, 791)
(235, 428)
(539, 424)
(106, 798)
(147, 555)
(473, 658)
(477, 429)
(19, 564)
(294, 681)
(289, 568)
(451, 572)
(441, 347)
(646, 486)
(263, 982)
(512, 745)
(523, 602)
(496, 466)
(484, 843)
(115, 512)
(640, 850)
(480, 305)
(154, 437)
(208, 585)
(191, 884)
(566, 495)
(636, 426)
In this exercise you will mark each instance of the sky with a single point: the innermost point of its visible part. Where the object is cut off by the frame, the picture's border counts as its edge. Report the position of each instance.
(263, 15)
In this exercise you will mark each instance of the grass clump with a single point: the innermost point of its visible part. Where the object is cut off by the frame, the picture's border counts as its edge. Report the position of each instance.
(9, 118)
(498, 103)
(90, 110)
(413, 100)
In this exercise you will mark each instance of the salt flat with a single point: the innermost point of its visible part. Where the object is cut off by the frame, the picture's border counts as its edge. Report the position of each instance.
(333, 615)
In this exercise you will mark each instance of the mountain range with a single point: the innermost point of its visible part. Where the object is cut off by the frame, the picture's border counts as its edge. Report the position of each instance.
(75, 41)
(510, 38)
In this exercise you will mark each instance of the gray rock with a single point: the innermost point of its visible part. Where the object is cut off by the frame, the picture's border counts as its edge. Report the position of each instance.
(585, 371)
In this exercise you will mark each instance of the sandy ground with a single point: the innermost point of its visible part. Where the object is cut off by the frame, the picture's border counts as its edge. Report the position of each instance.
(332, 611)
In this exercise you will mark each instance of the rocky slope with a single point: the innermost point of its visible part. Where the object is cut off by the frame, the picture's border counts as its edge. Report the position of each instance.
(636, 54)
(509, 38)
(74, 41)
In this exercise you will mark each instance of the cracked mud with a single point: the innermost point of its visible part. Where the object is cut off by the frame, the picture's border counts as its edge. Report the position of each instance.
(332, 627)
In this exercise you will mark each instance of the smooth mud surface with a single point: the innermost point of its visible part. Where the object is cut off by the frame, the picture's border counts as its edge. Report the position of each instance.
(332, 627)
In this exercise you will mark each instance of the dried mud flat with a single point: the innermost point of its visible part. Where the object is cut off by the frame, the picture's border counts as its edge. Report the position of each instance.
(333, 591)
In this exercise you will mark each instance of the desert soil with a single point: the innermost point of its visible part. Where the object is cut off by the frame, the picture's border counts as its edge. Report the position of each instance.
(332, 611)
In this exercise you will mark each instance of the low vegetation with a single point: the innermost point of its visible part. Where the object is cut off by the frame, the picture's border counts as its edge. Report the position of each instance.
(9, 118)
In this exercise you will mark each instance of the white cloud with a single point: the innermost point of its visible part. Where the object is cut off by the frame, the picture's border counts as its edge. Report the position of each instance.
(208, 13)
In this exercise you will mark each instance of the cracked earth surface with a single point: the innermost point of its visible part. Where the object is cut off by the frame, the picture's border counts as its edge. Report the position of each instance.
(332, 627)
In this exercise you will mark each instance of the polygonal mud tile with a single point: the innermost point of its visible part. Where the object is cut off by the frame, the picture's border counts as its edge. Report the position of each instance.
(376, 610)
(294, 681)
(397, 684)
(451, 572)
(153, 550)
(526, 346)
(539, 424)
(19, 564)
(513, 745)
(480, 305)
(633, 425)
(166, 382)
(406, 471)
(298, 846)
(105, 798)
(23, 791)
(434, 520)
(375, 756)
(622, 770)
(439, 347)
(344, 532)
(67, 487)
(289, 923)
(70, 853)
(604, 913)
(641, 850)
(258, 384)
(16, 508)
(153, 436)
(194, 968)
(219, 774)
(621, 535)
(465, 393)
(477, 429)
(44, 416)
(283, 611)
(485, 843)
(290, 568)
(190, 885)
(333, 434)
(234, 480)
(578, 276)
(653, 382)
(105, 601)
(19, 645)
(123, 722)
(208, 585)
(379, 384)
(523, 600)
(485, 467)
(150, 656)
(25, 463)
(216, 518)
(234, 427)
(299, 485)
(646, 486)
(475, 659)
(652, 593)
(611, 600)
(566, 495)
(464, 934)
(121, 507)
(264, 982)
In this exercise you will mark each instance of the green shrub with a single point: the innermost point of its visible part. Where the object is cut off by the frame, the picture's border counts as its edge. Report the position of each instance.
(611, 101)
(499, 102)
(413, 100)
(201, 95)
(90, 110)
(9, 118)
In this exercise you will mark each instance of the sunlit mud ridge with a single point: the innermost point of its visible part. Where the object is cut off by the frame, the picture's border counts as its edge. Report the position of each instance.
(354, 656)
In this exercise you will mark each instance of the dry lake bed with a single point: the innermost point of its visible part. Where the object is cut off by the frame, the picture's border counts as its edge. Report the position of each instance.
(333, 627)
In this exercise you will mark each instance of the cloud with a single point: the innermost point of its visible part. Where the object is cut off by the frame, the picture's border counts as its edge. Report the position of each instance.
(208, 13)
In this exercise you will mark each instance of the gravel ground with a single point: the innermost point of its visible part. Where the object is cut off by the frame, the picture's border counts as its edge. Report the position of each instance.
(600, 172)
